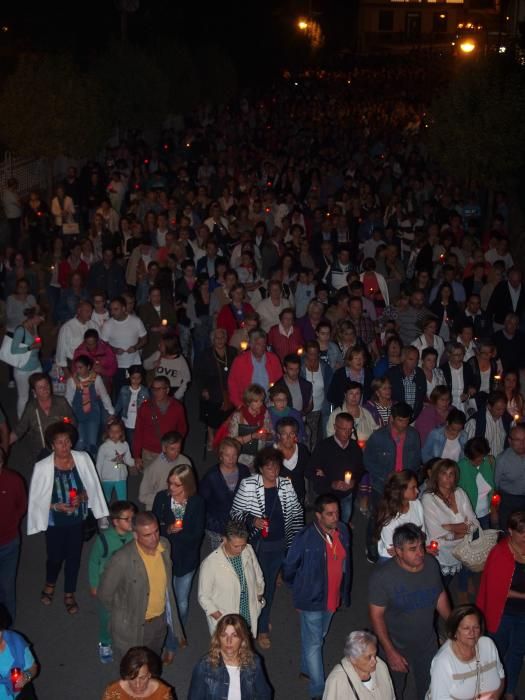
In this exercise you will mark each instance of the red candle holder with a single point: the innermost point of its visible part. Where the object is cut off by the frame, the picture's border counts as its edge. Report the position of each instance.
(38, 339)
(362, 444)
(178, 522)
(16, 675)
(495, 500)
(434, 546)
(266, 528)
(65, 419)
(73, 493)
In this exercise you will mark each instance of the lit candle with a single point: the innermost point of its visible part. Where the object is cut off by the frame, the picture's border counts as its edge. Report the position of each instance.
(362, 444)
(188, 144)
(244, 344)
(441, 257)
(178, 522)
(434, 546)
(73, 493)
(371, 290)
(300, 351)
(65, 419)
(497, 377)
(516, 417)
(495, 500)
(348, 477)
(16, 675)
(38, 339)
(164, 321)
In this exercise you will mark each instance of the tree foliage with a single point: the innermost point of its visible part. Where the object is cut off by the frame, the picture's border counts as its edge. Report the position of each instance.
(476, 126)
(50, 108)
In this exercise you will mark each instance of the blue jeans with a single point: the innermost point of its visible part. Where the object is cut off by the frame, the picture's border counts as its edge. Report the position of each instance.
(9, 554)
(270, 561)
(182, 588)
(121, 489)
(346, 507)
(314, 628)
(88, 434)
(510, 640)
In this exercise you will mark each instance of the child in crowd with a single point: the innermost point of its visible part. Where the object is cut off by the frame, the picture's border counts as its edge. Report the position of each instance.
(280, 408)
(169, 362)
(105, 545)
(113, 459)
(130, 399)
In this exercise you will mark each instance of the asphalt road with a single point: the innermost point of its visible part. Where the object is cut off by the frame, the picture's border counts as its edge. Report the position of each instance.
(66, 646)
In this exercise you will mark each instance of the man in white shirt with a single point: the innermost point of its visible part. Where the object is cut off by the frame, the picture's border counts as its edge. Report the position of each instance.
(270, 308)
(71, 335)
(127, 335)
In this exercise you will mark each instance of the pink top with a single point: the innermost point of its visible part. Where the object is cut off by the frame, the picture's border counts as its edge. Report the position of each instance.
(400, 444)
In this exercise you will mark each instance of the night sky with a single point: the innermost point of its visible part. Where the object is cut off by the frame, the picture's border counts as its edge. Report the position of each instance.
(258, 36)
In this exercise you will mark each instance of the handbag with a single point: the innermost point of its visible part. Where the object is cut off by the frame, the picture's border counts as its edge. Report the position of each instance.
(473, 553)
(89, 526)
(16, 360)
(70, 229)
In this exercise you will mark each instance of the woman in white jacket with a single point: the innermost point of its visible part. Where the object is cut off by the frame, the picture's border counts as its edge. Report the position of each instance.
(231, 580)
(63, 487)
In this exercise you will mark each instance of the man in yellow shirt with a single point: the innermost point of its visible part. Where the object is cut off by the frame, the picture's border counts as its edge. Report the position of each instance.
(136, 588)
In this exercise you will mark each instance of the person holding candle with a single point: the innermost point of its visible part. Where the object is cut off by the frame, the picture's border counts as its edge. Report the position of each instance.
(355, 370)
(280, 407)
(113, 459)
(251, 424)
(268, 505)
(181, 513)
(398, 506)
(501, 598)
(157, 315)
(101, 354)
(285, 338)
(446, 441)
(433, 374)
(492, 422)
(18, 666)
(63, 487)
(130, 398)
(509, 475)
(232, 315)
(476, 478)
(459, 378)
(169, 362)
(27, 343)
(448, 514)
(429, 338)
(515, 402)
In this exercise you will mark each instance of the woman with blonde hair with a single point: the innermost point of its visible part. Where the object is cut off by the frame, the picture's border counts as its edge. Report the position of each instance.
(251, 424)
(181, 513)
(231, 669)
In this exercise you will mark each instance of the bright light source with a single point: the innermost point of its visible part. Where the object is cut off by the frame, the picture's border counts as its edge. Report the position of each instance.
(502, 49)
(296, 84)
(4, 29)
(302, 24)
(507, 18)
(442, 16)
(467, 46)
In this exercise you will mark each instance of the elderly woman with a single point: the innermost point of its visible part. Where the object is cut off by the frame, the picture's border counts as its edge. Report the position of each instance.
(433, 374)
(42, 410)
(268, 505)
(501, 598)
(364, 423)
(251, 424)
(466, 648)
(355, 370)
(63, 487)
(379, 405)
(211, 373)
(230, 669)
(140, 671)
(219, 486)
(231, 580)
(429, 338)
(360, 673)
(448, 514)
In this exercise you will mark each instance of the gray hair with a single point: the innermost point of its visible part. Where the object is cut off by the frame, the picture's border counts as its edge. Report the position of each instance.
(255, 334)
(217, 330)
(357, 642)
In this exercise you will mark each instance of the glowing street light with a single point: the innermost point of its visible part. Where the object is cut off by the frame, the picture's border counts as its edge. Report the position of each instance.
(467, 46)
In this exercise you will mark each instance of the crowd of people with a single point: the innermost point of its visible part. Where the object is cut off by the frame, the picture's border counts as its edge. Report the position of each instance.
(349, 320)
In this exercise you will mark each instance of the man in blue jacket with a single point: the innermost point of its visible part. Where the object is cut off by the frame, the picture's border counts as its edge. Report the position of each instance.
(318, 569)
(390, 449)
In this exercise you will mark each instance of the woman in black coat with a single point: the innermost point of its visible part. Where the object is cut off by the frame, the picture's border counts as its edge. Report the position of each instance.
(295, 455)
(182, 515)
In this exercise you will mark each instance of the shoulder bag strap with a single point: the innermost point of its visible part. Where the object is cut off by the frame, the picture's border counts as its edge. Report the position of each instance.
(40, 426)
(354, 691)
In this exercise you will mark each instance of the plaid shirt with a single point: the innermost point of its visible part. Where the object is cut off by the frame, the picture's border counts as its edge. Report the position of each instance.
(409, 387)
(365, 329)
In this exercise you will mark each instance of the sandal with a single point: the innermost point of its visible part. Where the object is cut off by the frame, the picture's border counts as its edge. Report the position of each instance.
(71, 604)
(46, 595)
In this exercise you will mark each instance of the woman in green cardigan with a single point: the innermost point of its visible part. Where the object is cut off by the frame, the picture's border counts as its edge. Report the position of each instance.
(476, 478)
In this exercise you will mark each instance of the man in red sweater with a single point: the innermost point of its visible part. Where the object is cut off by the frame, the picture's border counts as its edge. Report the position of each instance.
(254, 366)
(156, 417)
(13, 505)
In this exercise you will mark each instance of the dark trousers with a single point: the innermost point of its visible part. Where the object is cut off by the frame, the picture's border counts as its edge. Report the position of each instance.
(419, 661)
(270, 561)
(509, 503)
(9, 554)
(64, 544)
(155, 633)
(371, 543)
(119, 379)
(510, 640)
